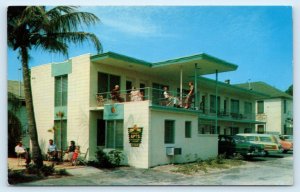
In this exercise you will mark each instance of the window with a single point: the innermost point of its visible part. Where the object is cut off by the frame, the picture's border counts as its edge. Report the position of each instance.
(208, 129)
(235, 106)
(188, 129)
(60, 135)
(61, 90)
(247, 130)
(248, 108)
(260, 129)
(202, 104)
(225, 106)
(100, 132)
(284, 106)
(114, 134)
(184, 92)
(169, 131)
(260, 107)
(107, 82)
(234, 130)
(213, 105)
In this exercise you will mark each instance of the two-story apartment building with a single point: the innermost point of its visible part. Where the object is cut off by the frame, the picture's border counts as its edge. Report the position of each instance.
(73, 101)
(276, 110)
(17, 116)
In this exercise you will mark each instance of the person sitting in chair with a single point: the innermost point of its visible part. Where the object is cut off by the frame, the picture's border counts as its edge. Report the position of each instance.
(52, 150)
(169, 99)
(22, 152)
(69, 152)
(135, 95)
(115, 94)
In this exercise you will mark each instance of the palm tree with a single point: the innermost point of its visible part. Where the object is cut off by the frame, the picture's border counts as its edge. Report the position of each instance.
(49, 30)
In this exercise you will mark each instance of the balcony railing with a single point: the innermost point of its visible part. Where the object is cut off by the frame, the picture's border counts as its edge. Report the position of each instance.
(227, 115)
(157, 97)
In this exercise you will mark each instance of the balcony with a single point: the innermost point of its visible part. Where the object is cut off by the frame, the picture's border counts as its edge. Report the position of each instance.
(157, 98)
(224, 115)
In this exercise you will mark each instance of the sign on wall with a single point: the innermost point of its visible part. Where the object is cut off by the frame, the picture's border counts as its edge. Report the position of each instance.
(135, 136)
(113, 111)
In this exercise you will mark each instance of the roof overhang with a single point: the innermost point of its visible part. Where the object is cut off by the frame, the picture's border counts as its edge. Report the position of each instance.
(227, 88)
(206, 64)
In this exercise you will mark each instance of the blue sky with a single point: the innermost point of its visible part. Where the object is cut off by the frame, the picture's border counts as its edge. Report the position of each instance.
(257, 39)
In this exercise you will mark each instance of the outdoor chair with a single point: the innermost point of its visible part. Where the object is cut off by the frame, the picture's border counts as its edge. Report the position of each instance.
(82, 158)
(20, 157)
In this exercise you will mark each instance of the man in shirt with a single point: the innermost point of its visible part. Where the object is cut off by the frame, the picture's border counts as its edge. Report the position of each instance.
(21, 152)
(19, 149)
(52, 150)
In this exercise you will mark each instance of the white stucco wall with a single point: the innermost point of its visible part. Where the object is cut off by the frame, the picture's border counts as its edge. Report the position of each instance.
(137, 113)
(78, 103)
(43, 101)
(200, 146)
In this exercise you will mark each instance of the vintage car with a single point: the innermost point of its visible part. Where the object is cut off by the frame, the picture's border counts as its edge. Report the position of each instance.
(286, 137)
(287, 145)
(231, 145)
(269, 142)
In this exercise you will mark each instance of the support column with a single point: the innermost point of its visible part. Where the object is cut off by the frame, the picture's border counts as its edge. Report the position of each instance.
(181, 83)
(216, 102)
(196, 87)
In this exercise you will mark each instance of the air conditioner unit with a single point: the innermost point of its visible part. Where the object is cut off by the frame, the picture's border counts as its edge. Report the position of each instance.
(170, 151)
(173, 151)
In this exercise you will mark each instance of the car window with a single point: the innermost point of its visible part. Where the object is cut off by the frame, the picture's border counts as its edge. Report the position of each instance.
(250, 138)
(265, 139)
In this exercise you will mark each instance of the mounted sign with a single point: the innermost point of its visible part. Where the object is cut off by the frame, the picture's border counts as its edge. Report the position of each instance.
(113, 111)
(135, 136)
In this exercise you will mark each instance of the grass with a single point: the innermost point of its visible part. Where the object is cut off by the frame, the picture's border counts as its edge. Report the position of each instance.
(206, 165)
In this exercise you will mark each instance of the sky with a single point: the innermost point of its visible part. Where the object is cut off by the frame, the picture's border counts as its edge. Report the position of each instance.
(256, 38)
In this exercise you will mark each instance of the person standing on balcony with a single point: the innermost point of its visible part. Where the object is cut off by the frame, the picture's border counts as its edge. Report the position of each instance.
(190, 95)
(115, 94)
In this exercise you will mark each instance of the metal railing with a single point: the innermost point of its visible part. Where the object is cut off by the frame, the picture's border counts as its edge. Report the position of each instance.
(158, 98)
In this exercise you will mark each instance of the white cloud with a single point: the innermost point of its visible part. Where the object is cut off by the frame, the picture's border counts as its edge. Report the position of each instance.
(135, 21)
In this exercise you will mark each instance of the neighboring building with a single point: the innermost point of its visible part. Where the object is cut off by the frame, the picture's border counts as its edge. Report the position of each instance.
(17, 116)
(75, 95)
(276, 110)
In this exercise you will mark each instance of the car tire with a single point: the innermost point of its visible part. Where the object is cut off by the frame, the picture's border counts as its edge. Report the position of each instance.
(284, 151)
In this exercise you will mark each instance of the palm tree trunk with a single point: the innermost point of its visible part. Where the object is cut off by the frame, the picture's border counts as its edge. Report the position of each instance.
(36, 150)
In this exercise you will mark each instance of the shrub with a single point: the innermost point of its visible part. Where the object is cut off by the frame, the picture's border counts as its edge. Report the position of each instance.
(18, 176)
(115, 157)
(61, 172)
(107, 160)
(45, 170)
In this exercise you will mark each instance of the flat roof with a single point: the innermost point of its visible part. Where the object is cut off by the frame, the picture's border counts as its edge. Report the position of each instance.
(206, 64)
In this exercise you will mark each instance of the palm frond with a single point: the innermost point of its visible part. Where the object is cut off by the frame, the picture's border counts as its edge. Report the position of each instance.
(79, 38)
(72, 21)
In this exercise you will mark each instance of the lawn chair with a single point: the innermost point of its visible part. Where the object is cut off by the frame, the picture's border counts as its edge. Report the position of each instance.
(82, 158)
